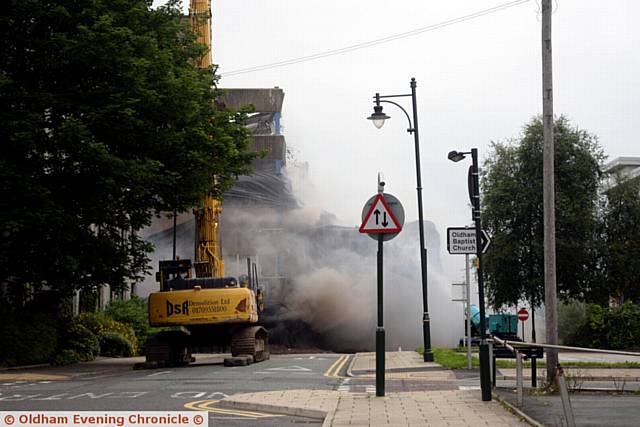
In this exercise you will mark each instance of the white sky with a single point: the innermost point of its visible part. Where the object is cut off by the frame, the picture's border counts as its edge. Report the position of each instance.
(478, 81)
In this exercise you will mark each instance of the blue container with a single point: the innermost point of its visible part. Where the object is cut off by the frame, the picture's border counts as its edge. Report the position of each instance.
(503, 324)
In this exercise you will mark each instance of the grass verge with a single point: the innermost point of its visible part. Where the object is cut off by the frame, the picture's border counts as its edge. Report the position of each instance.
(454, 359)
(450, 358)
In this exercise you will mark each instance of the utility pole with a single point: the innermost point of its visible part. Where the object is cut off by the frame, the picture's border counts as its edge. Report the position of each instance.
(550, 298)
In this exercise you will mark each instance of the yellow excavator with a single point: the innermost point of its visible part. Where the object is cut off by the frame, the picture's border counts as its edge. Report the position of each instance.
(213, 312)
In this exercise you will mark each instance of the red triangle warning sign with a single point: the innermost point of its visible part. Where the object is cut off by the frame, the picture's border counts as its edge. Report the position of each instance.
(380, 218)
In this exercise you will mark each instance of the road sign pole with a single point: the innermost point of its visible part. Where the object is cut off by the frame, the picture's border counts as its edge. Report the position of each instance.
(485, 375)
(466, 268)
(534, 367)
(380, 329)
(382, 219)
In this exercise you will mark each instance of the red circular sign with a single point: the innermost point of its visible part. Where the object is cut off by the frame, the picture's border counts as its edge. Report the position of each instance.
(523, 314)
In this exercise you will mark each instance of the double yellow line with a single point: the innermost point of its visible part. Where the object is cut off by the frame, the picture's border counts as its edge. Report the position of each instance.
(207, 405)
(336, 367)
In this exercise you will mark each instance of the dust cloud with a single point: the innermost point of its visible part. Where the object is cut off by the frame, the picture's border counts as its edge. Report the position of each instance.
(323, 276)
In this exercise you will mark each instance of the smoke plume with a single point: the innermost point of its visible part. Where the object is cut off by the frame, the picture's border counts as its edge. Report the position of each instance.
(324, 275)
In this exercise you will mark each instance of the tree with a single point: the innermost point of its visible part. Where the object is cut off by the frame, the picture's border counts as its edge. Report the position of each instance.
(105, 120)
(620, 240)
(512, 202)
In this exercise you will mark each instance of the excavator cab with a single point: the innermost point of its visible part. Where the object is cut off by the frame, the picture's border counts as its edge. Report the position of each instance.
(170, 270)
(176, 275)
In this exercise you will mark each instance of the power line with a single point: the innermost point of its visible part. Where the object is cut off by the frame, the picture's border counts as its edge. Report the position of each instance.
(371, 43)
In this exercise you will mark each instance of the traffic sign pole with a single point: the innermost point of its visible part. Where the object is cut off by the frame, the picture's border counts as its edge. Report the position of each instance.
(382, 219)
(534, 367)
(466, 268)
(474, 194)
(380, 333)
(485, 375)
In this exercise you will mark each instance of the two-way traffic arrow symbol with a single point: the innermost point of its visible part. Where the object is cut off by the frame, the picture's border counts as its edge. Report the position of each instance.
(384, 218)
(380, 218)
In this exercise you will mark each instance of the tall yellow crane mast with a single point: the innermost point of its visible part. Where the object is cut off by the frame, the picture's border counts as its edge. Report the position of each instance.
(212, 310)
(208, 251)
(200, 23)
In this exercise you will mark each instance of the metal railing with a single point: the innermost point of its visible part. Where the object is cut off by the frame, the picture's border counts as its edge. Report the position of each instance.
(519, 375)
(566, 347)
(516, 346)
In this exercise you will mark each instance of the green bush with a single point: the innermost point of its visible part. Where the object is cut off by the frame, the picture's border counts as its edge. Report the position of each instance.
(623, 327)
(571, 316)
(79, 339)
(66, 357)
(113, 344)
(610, 327)
(100, 324)
(131, 312)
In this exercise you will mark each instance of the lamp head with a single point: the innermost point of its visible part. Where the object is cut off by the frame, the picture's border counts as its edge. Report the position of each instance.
(378, 117)
(455, 156)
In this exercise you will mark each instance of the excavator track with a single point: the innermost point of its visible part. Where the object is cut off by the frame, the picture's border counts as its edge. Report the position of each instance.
(250, 341)
(167, 348)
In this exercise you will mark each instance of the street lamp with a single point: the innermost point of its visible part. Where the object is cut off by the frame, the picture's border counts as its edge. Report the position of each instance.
(474, 194)
(378, 118)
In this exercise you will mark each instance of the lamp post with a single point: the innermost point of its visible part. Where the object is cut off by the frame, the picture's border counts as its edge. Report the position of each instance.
(474, 194)
(378, 118)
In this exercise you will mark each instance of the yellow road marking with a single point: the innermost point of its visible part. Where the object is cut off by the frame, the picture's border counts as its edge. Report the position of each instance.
(344, 362)
(334, 364)
(206, 405)
(32, 377)
(337, 366)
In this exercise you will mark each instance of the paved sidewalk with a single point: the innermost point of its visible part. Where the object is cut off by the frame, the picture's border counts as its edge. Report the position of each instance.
(441, 408)
(413, 408)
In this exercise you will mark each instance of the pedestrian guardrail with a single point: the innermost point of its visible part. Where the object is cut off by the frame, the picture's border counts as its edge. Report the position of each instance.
(520, 349)
(516, 344)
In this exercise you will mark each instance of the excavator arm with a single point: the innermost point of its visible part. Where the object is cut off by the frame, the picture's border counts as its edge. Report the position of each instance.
(208, 251)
